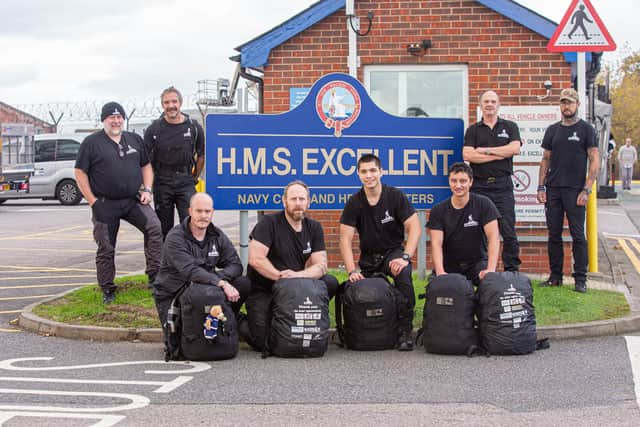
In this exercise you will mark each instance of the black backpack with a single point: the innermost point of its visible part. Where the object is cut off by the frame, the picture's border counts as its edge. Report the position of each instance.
(367, 314)
(187, 333)
(300, 318)
(448, 325)
(506, 313)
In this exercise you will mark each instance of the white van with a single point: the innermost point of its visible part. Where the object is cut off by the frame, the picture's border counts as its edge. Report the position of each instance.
(52, 176)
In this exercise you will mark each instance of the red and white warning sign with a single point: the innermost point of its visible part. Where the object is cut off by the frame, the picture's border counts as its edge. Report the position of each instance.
(581, 30)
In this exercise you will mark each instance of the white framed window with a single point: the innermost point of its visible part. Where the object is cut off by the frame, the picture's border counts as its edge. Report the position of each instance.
(440, 91)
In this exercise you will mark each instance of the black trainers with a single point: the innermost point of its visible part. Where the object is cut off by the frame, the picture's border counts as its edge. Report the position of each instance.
(244, 333)
(581, 287)
(405, 342)
(551, 282)
(108, 298)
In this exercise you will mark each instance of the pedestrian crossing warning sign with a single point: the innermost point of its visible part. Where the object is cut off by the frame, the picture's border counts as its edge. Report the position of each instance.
(581, 30)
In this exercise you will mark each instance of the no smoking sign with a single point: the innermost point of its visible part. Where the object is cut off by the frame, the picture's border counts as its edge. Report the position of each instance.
(521, 181)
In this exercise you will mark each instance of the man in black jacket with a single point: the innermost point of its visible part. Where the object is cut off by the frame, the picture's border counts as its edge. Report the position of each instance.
(198, 251)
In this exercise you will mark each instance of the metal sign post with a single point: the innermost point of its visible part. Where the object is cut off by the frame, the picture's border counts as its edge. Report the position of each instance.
(581, 30)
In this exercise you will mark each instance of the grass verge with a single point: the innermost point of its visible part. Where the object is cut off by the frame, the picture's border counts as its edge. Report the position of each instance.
(134, 306)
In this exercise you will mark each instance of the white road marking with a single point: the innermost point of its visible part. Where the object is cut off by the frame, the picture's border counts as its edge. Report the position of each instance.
(165, 386)
(137, 401)
(190, 367)
(633, 347)
(105, 420)
(600, 211)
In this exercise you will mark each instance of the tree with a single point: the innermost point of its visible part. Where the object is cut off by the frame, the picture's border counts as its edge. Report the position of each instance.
(625, 98)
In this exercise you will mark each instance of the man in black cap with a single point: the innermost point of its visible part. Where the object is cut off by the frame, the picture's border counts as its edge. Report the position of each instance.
(175, 144)
(114, 175)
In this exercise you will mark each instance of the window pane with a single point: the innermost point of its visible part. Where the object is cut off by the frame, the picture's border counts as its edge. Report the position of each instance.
(428, 91)
(67, 149)
(384, 90)
(45, 150)
(437, 93)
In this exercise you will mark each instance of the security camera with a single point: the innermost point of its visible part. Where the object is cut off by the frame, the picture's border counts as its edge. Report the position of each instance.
(547, 85)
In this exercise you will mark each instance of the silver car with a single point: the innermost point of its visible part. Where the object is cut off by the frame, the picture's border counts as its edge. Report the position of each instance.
(52, 175)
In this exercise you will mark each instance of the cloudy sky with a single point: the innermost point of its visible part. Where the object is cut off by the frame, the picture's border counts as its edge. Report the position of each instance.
(73, 50)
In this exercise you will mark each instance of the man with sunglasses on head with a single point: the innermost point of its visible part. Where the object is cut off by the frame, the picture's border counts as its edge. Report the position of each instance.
(175, 145)
(114, 175)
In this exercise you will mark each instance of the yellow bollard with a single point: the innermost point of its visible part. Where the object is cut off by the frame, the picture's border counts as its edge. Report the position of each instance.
(592, 229)
(200, 187)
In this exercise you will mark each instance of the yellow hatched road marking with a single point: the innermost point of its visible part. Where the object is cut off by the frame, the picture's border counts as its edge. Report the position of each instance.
(52, 285)
(46, 233)
(630, 254)
(54, 239)
(92, 251)
(71, 276)
(635, 244)
(29, 268)
(29, 297)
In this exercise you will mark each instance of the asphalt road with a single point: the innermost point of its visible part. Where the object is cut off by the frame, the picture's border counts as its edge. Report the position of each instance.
(85, 383)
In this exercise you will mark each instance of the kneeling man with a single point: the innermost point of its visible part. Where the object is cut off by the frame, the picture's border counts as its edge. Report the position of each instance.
(462, 227)
(284, 245)
(197, 251)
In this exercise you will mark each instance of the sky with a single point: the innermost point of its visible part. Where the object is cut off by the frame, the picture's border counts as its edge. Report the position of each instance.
(83, 50)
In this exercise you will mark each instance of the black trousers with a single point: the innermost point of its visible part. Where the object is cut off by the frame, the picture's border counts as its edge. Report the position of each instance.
(500, 192)
(469, 270)
(259, 309)
(170, 192)
(561, 201)
(163, 299)
(379, 263)
(106, 218)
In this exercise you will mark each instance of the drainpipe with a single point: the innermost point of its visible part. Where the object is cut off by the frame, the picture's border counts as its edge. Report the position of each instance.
(260, 82)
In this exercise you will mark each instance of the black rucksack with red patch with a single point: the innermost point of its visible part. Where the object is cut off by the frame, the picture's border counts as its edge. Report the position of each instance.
(190, 335)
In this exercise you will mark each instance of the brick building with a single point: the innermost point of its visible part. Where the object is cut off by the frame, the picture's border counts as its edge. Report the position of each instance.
(436, 55)
(9, 114)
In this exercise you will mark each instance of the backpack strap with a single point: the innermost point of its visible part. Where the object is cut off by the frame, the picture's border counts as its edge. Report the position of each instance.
(173, 326)
(338, 312)
(543, 344)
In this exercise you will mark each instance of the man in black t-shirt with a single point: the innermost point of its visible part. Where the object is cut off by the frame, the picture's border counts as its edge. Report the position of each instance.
(284, 245)
(563, 189)
(464, 229)
(489, 147)
(114, 175)
(175, 144)
(381, 215)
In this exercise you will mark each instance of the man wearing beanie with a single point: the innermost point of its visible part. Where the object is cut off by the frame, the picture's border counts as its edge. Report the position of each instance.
(175, 145)
(114, 175)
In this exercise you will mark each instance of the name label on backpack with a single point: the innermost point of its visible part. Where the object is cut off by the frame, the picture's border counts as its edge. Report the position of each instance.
(375, 312)
(445, 301)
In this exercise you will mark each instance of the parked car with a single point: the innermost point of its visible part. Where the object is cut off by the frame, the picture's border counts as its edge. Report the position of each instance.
(51, 176)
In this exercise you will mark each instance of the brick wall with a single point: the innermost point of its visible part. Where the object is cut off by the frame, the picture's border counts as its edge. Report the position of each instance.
(501, 55)
(8, 114)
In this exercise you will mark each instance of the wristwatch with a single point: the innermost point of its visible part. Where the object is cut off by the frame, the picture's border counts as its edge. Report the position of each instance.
(587, 190)
(406, 257)
(146, 190)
